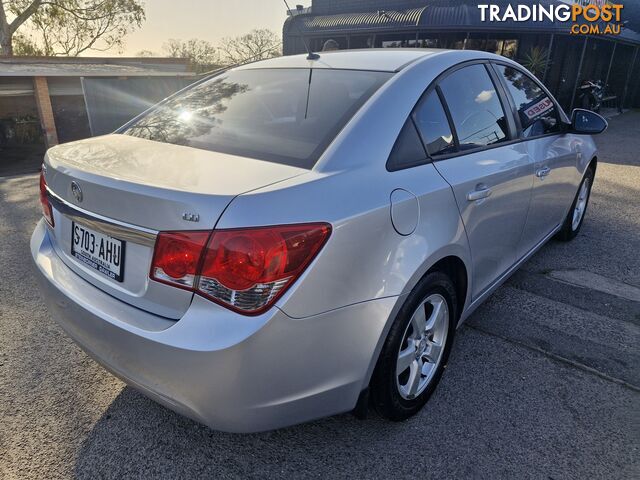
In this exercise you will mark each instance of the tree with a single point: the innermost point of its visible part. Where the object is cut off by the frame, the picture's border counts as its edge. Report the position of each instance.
(66, 27)
(258, 44)
(535, 60)
(24, 45)
(145, 54)
(201, 54)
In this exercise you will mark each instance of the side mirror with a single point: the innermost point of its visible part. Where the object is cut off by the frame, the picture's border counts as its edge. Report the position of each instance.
(586, 122)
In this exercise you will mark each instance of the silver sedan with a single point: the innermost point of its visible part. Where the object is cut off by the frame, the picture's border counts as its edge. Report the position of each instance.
(299, 237)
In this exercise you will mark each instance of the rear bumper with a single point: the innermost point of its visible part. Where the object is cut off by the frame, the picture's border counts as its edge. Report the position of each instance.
(231, 372)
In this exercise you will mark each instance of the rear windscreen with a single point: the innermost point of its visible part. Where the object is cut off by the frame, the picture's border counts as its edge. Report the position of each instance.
(281, 115)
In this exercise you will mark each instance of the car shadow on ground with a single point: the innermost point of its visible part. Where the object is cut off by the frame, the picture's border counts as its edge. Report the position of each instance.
(509, 409)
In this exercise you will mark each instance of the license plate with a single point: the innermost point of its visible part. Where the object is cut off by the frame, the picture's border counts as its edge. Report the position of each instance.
(98, 251)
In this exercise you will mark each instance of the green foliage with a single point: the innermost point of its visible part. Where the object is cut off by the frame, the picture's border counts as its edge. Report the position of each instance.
(25, 46)
(535, 60)
(71, 27)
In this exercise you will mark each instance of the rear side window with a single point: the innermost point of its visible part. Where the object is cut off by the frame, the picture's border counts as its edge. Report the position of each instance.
(408, 150)
(433, 125)
(537, 112)
(476, 111)
(280, 115)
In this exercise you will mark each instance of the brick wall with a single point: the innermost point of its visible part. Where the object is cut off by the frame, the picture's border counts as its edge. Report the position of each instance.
(324, 7)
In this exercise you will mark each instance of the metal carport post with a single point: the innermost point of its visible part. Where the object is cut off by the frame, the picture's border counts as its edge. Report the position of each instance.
(578, 73)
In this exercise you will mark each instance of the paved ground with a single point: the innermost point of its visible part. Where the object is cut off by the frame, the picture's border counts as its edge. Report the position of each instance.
(544, 381)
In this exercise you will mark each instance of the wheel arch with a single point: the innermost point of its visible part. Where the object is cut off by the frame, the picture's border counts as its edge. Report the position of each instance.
(452, 261)
(455, 268)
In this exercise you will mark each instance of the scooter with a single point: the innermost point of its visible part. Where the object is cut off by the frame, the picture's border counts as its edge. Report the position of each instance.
(591, 94)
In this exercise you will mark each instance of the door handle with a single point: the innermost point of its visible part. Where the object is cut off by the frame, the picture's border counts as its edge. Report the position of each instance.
(481, 191)
(543, 172)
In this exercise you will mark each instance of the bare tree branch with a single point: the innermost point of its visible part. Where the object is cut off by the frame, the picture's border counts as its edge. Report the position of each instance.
(258, 44)
(201, 54)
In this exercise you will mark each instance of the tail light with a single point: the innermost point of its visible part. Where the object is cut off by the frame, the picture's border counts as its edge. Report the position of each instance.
(177, 256)
(47, 212)
(245, 270)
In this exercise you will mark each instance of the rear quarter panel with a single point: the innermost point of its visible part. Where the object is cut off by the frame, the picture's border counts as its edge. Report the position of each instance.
(365, 258)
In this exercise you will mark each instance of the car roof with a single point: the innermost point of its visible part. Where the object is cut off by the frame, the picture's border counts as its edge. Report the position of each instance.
(376, 59)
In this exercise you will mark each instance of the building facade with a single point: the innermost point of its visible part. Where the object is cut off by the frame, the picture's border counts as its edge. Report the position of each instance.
(548, 49)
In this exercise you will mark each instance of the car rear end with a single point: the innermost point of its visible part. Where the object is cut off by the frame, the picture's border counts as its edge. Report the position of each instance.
(134, 268)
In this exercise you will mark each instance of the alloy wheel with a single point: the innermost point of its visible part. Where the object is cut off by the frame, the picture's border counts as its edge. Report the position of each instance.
(422, 346)
(581, 204)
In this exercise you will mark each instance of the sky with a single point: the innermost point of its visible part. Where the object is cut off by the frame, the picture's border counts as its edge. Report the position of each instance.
(204, 19)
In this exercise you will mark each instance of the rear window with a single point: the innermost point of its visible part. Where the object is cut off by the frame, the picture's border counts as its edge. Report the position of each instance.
(281, 115)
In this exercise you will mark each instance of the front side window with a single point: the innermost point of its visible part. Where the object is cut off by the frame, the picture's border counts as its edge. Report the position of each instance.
(433, 125)
(476, 111)
(280, 115)
(537, 112)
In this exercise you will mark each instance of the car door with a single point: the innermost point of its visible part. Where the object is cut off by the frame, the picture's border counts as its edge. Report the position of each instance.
(491, 176)
(554, 154)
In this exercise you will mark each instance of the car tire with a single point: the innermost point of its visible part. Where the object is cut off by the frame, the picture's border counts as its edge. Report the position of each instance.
(435, 296)
(575, 217)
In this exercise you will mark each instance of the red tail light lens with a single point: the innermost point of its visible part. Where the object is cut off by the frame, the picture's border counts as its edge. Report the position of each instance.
(47, 212)
(245, 270)
(176, 257)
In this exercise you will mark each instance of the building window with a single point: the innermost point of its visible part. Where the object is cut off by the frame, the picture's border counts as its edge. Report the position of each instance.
(317, 44)
(361, 41)
(427, 40)
(507, 47)
(398, 40)
(476, 41)
(454, 41)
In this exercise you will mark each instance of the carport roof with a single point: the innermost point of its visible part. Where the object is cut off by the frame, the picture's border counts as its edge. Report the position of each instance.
(92, 67)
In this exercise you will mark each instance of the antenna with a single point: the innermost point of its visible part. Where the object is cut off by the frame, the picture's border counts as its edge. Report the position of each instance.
(311, 55)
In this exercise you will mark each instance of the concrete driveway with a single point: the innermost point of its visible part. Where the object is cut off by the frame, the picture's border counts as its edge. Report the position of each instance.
(544, 380)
